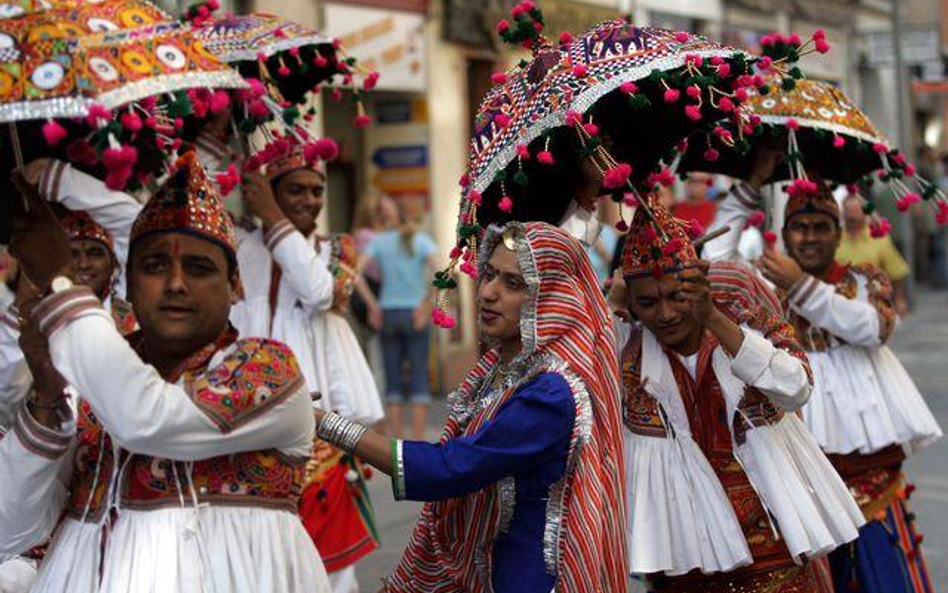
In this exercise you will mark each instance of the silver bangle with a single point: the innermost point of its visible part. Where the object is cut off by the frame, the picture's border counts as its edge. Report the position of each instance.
(341, 432)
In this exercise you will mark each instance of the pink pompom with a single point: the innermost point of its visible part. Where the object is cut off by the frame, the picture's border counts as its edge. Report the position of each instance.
(131, 122)
(793, 124)
(580, 70)
(545, 157)
(879, 228)
(838, 141)
(505, 204)
(821, 46)
(665, 177)
(880, 148)
(682, 36)
(498, 78)
(628, 88)
(770, 237)
(617, 176)
(673, 246)
(442, 319)
(693, 91)
(694, 229)
(682, 145)
(726, 105)
(819, 34)
(503, 25)
(363, 121)
(53, 132)
(622, 227)
(219, 101)
(475, 197)
(566, 38)
(573, 118)
(591, 128)
(320, 61)
(910, 170)
(523, 151)
(672, 95)
(630, 200)
(464, 180)
(794, 39)
(711, 154)
(228, 180)
(327, 149)
(755, 219)
(724, 70)
(283, 70)
(371, 81)
(502, 120)
(765, 63)
(693, 112)
(907, 201)
(98, 115)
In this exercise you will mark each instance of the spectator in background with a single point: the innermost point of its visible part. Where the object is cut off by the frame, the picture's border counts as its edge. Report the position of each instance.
(697, 204)
(602, 253)
(858, 247)
(404, 257)
(374, 214)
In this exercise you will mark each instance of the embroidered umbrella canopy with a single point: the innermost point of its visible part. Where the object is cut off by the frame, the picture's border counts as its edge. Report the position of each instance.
(113, 102)
(292, 58)
(834, 138)
(630, 91)
(827, 136)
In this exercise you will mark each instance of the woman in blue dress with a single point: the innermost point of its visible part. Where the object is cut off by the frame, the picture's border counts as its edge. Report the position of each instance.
(523, 491)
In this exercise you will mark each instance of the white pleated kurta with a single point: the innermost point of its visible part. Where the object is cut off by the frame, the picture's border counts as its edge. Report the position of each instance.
(863, 400)
(302, 318)
(680, 517)
(213, 548)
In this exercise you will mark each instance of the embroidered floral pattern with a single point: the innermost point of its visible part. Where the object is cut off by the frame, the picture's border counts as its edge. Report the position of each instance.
(267, 478)
(257, 375)
(93, 461)
(343, 264)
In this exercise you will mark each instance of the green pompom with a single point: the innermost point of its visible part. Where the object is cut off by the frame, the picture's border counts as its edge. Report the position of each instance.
(501, 176)
(788, 84)
(520, 178)
(764, 90)
(796, 73)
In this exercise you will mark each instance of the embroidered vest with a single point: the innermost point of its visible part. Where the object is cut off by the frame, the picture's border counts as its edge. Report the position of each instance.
(255, 376)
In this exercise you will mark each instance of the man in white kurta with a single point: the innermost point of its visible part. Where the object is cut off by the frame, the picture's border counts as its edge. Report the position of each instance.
(296, 288)
(865, 412)
(178, 464)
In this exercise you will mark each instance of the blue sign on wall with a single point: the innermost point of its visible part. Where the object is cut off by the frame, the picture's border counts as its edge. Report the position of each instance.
(395, 157)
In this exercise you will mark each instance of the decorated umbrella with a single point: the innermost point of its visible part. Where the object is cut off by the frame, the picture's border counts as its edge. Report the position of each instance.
(291, 57)
(617, 98)
(827, 136)
(112, 102)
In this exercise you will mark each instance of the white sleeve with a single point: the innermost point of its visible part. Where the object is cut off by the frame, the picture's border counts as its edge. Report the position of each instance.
(852, 320)
(780, 376)
(307, 275)
(35, 472)
(145, 414)
(733, 211)
(114, 210)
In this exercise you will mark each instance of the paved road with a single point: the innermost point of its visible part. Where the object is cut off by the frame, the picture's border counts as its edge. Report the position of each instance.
(922, 345)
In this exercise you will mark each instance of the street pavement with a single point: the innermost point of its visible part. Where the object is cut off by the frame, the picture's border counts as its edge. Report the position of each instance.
(921, 342)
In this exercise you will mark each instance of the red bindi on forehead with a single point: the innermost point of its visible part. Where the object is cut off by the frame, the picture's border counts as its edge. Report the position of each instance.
(175, 247)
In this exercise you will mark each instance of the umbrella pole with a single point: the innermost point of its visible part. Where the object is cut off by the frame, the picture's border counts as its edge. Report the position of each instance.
(17, 151)
(18, 156)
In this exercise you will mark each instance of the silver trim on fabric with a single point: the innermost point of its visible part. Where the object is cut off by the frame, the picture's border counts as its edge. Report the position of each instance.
(559, 491)
(398, 472)
(271, 49)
